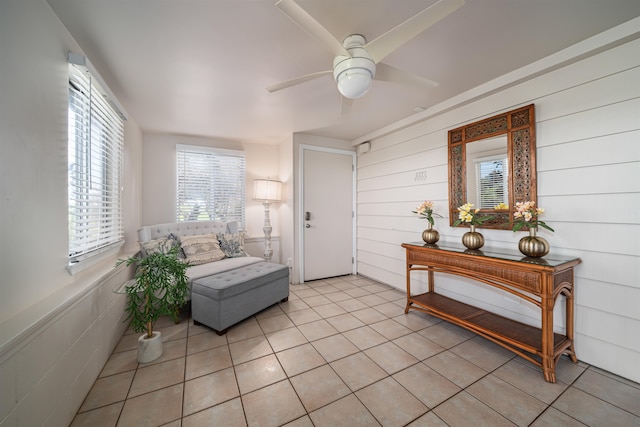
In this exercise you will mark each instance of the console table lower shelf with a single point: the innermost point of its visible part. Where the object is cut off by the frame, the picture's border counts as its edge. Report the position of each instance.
(518, 337)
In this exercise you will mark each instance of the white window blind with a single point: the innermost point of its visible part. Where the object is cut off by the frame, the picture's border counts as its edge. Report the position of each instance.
(95, 154)
(211, 184)
(492, 181)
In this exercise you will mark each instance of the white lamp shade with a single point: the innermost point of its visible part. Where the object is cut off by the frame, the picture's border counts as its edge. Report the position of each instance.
(267, 190)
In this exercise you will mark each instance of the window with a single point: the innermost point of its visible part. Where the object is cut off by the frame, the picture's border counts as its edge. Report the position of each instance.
(211, 184)
(96, 139)
(492, 181)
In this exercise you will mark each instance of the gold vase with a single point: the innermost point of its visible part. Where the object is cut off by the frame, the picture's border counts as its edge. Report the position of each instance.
(430, 235)
(472, 239)
(533, 245)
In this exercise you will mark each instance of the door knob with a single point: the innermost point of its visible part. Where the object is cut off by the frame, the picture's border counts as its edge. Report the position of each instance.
(307, 226)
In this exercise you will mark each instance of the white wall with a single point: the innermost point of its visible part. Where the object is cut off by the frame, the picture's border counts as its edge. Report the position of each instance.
(588, 163)
(56, 330)
(159, 183)
(286, 208)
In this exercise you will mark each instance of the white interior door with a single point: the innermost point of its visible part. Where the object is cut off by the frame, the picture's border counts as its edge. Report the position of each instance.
(327, 213)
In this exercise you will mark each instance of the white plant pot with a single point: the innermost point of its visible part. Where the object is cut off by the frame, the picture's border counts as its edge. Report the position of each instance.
(149, 349)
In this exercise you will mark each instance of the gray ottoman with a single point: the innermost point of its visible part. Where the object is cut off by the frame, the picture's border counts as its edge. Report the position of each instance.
(226, 298)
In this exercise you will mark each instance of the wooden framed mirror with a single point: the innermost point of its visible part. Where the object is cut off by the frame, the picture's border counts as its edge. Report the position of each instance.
(492, 164)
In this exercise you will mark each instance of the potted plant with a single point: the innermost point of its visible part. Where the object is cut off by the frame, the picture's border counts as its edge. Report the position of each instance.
(527, 215)
(425, 210)
(467, 214)
(159, 288)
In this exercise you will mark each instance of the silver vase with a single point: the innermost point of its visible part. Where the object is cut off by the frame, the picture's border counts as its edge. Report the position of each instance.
(430, 235)
(472, 239)
(533, 245)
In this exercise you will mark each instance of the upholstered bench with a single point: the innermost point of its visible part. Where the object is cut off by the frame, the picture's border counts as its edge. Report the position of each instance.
(224, 299)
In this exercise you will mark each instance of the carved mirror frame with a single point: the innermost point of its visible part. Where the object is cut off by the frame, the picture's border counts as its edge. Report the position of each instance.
(519, 126)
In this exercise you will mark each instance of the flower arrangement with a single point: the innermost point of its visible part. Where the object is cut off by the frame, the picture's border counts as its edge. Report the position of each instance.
(425, 210)
(527, 215)
(501, 206)
(469, 215)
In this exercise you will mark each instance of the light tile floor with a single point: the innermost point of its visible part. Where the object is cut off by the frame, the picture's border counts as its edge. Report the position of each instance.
(341, 352)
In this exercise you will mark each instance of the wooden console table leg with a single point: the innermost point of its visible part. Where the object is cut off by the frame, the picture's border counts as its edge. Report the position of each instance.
(548, 347)
(569, 310)
(408, 274)
(431, 280)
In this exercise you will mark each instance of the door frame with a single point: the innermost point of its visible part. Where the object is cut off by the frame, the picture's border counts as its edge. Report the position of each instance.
(300, 213)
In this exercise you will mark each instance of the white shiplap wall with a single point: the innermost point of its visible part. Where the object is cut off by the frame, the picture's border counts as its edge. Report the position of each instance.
(588, 161)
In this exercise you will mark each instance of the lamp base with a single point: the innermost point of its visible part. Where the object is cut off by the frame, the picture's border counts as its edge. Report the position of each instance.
(268, 252)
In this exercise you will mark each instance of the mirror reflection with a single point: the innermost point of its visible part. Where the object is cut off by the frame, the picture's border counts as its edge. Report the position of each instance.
(488, 173)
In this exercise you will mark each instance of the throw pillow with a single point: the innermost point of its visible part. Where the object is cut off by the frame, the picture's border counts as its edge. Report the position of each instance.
(201, 249)
(232, 245)
(176, 242)
(158, 245)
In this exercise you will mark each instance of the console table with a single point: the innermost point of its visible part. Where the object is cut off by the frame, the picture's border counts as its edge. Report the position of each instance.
(537, 280)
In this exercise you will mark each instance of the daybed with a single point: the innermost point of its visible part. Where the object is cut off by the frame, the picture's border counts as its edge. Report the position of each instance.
(227, 285)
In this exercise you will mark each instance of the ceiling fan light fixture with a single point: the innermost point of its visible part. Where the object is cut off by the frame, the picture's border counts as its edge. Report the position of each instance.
(354, 75)
(354, 83)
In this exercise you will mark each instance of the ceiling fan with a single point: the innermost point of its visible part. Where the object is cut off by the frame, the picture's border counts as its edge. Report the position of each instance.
(357, 62)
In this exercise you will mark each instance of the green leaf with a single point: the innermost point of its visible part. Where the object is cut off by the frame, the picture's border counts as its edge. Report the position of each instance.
(518, 226)
(543, 225)
(160, 288)
(482, 218)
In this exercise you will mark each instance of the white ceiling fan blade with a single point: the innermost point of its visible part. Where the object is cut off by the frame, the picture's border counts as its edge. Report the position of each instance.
(311, 26)
(388, 73)
(297, 80)
(396, 37)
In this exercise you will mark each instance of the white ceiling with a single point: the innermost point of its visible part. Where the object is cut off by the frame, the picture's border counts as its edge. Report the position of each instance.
(200, 67)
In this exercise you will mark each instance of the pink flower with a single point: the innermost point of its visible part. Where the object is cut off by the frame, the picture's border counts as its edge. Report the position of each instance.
(527, 215)
(425, 210)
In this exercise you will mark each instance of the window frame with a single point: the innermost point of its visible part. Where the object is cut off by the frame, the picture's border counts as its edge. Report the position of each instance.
(214, 182)
(95, 169)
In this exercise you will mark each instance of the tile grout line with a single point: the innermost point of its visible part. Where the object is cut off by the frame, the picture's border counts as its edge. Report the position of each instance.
(572, 385)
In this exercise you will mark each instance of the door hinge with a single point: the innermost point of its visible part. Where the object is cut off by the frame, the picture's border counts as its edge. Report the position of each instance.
(352, 260)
